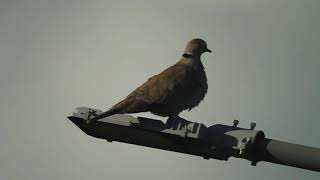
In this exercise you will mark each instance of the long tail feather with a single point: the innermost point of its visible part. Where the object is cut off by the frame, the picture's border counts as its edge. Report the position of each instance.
(105, 114)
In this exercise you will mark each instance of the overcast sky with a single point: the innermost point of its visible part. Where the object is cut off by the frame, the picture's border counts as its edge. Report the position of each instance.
(57, 55)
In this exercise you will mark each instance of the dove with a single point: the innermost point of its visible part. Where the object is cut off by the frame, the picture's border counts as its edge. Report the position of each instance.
(180, 87)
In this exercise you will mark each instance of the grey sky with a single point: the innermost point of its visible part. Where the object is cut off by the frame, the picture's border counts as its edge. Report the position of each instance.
(58, 55)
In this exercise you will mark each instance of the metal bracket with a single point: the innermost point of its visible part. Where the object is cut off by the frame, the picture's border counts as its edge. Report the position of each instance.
(217, 141)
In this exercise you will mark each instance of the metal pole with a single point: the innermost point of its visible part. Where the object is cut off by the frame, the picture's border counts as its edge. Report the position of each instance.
(289, 154)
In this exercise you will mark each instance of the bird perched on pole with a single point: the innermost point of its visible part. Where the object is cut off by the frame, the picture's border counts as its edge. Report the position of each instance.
(180, 87)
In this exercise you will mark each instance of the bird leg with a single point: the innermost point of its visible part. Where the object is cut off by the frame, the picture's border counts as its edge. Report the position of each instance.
(171, 121)
(174, 117)
(174, 121)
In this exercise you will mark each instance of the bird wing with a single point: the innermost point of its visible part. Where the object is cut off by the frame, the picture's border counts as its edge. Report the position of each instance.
(155, 90)
(161, 86)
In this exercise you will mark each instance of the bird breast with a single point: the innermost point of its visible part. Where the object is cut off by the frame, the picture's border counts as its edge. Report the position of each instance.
(185, 96)
(198, 90)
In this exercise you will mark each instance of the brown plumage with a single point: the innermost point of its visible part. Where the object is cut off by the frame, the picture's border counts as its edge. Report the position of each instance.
(180, 87)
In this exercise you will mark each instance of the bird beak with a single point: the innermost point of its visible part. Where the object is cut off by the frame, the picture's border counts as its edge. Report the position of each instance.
(208, 50)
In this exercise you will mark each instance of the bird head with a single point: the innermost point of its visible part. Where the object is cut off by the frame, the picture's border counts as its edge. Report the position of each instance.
(196, 47)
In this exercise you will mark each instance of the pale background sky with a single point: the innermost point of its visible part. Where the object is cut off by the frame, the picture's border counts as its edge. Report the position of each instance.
(57, 55)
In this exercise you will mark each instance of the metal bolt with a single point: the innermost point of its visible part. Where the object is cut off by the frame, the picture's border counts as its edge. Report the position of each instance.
(235, 123)
(253, 163)
(244, 140)
(252, 126)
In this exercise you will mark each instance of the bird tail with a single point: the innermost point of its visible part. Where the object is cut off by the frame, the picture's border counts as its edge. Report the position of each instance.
(105, 114)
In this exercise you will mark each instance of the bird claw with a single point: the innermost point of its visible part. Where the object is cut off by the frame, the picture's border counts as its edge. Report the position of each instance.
(175, 121)
(174, 117)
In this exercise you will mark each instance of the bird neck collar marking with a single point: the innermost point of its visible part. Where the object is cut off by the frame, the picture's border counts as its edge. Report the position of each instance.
(186, 55)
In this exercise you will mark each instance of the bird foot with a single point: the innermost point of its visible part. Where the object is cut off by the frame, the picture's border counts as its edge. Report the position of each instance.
(174, 121)
(175, 117)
